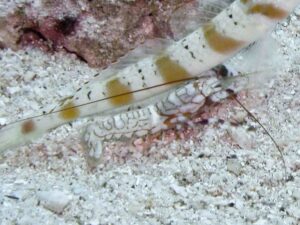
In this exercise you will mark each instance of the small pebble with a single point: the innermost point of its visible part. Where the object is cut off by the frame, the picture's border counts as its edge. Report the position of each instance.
(294, 211)
(29, 75)
(240, 116)
(27, 220)
(297, 11)
(296, 194)
(55, 200)
(13, 90)
(261, 222)
(3, 121)
(179, 190)
(241, 137)
(234, 166)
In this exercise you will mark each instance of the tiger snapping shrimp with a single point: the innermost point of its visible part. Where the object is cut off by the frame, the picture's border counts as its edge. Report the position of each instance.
(127, 83)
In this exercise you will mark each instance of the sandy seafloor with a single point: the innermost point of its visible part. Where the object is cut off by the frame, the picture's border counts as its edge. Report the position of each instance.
(210, 178)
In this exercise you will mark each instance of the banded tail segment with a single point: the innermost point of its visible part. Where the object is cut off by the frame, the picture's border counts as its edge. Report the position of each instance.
(24, 131)
(243, 22)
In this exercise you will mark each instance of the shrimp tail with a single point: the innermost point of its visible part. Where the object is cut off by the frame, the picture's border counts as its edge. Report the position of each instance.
(25, 131)
(11, 136)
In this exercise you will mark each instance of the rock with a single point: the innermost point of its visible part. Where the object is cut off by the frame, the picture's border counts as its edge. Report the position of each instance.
(55, 200)
(234, 166)
(85, 28)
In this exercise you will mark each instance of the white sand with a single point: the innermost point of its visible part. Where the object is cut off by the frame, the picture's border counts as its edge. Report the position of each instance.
(212, 180)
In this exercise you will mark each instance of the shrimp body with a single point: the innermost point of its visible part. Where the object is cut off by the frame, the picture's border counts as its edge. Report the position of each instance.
(175, 108)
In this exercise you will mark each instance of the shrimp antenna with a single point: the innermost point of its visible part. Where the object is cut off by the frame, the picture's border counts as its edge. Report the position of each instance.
(268, 133)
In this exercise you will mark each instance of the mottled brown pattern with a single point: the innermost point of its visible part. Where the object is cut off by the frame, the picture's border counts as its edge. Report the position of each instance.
(268, 10)
(219, 42)
(115, 88)
(28, 127)
(170, 70)
(69, 112)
